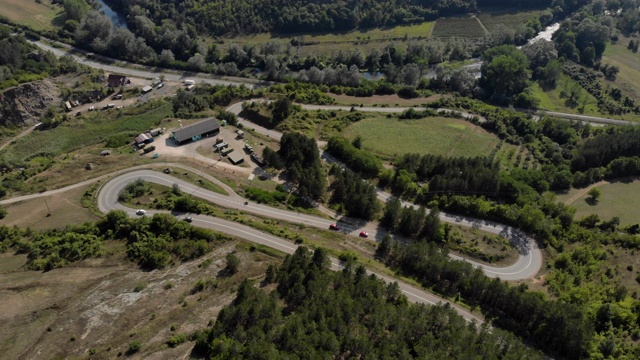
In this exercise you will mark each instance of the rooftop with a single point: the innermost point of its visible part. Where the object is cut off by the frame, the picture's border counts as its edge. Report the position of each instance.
(202, 127)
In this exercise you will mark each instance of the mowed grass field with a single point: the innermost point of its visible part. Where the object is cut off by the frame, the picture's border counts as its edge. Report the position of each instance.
(621, 199)
(434, 135)
(415, 30)
(553, 101)
(492, 18)
(628, 79)
(458, 27)
(30, 13)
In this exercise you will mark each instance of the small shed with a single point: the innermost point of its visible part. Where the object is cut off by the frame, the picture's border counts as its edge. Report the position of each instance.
(67, 106)
(155, 132)
(115, 80)
(235, 158)
(146, 89)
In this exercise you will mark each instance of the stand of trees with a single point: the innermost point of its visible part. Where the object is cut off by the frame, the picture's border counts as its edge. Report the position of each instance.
(355, 195)
(356, 159)
(316, 313)
(300, 159)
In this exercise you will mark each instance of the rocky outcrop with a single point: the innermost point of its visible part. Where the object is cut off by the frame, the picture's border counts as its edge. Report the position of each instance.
(23, 105)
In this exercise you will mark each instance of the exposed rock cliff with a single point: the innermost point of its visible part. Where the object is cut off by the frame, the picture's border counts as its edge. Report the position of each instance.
(24, 104)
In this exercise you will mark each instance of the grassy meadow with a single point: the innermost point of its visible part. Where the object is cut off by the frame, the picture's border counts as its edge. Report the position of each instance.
(628, 79)
(434, 135)
(619, 199)
(554, 100)
(468, 27)
(37, 15)
(510, 18)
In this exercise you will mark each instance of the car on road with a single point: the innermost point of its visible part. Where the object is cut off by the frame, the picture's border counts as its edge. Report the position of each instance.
(364, 234)
(117, 97)
(334, 227)
(160, 86)
(188, 219)
(141, 212)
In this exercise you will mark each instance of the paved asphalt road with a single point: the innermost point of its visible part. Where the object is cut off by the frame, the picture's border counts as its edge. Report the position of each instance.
(530, 257)
(527, 265)
(108, 200)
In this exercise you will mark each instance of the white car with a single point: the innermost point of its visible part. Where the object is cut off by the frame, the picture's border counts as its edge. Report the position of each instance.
(160, 86)
(141, 212)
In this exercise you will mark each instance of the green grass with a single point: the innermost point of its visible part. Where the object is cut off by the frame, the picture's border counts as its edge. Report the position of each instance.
(628, 79)
(458, 27)
(90, 129)
(493, 18)
(434, 135)
(195, 179)
(619, 199)
(552, 100)
(38, 16)
(416, 30)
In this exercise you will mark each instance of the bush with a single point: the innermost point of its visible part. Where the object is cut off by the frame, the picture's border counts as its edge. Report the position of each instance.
(134, 347)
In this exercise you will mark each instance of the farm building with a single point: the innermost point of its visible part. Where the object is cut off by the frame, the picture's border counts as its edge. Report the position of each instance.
(144, 138)
(235, 158)
(196, 131)
(115, 80)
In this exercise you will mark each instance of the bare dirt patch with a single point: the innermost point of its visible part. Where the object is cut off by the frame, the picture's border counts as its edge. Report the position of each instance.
(65, 209)
(100, 306)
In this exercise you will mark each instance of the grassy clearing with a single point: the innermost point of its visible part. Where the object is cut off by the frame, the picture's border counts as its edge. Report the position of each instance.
(66, 209)
(619, 199)
(93, 128)
(458, 27)
(36, 15)
(553, 100)
(511, 18)
(482, 246)
(628, 79)
(389, 137)
(422, 30)
(195, 179)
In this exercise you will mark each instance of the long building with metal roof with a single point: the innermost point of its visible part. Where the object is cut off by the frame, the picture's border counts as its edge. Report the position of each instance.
(196, 131)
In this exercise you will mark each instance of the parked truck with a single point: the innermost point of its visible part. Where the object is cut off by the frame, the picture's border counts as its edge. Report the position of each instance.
(189, 82)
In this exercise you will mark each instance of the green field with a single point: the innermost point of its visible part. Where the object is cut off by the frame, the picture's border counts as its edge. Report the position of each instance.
(621, 199)
(90, 129)
(553, 100)
(493, 18)
(434, 135)
(628, 79)
(330, 42)
(39, 16)
(458, 27)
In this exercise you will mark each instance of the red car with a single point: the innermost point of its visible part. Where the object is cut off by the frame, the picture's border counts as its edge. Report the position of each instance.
(364, 234)
(334, 227)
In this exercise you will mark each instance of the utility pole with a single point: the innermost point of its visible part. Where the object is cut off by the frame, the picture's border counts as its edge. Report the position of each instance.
(48, 210)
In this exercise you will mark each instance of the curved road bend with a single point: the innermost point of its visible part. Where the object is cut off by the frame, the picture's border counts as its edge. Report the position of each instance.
(108, 200)
(530, 257)
(527, 265)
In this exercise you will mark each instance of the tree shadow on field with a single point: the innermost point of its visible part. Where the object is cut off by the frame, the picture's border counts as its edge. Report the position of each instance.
(591, 201)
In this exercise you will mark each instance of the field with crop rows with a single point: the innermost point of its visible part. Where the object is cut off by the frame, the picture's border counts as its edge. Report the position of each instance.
(458, 27)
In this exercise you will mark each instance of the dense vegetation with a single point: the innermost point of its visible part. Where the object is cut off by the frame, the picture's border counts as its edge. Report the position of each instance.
(301, 161)
(152, 242)
(316, 313)
(353, 194)
(22, 62)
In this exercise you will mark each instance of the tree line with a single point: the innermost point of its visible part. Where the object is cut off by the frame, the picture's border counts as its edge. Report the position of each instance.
(316, 313)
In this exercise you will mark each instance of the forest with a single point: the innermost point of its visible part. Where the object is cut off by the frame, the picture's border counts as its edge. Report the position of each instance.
(317, 313)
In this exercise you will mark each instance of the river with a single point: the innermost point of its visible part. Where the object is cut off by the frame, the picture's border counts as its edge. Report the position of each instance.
(546, 34)
(116, 19)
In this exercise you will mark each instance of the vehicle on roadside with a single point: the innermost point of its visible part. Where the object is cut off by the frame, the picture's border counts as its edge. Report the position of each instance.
(79, 113)
(188, 219)
(92, 108)
(111, 106)
(189, 82)
(117, 97)
(140, 212)
(364, 234)
(334, 227)
(160, 86)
